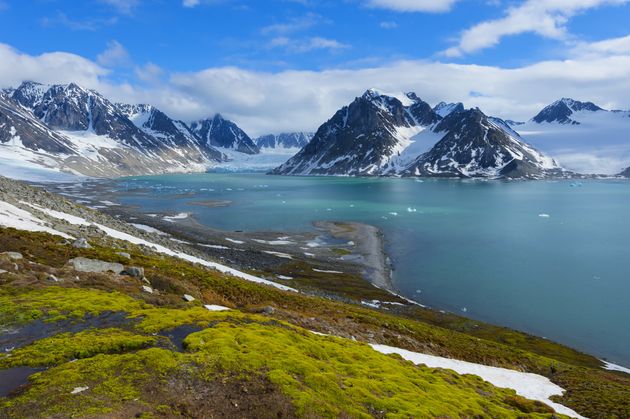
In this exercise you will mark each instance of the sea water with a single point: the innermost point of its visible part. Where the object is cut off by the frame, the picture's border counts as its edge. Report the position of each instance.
(551, 258)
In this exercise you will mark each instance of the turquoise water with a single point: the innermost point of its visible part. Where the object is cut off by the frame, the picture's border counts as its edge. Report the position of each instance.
(472, 247)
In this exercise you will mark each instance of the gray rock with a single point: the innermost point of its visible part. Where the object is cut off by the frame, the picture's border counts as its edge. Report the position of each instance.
(53, 278)
(81, 243)
(13, 255)
(189, 298)
(124, 255)
(135, 271)
(268, 310)
(2, 271)
(148, 289)
(96, 266)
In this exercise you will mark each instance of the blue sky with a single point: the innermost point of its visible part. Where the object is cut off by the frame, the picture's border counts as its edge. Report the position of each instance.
(220, 55)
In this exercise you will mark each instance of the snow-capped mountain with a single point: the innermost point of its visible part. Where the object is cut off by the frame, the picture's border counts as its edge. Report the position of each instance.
(582, 136)
(225, 134)
(443, 109)
(363, 138)
(381, 134)
(67, 128)
(625, 173)
(561, 111)
(287, 140)
(169, 131)
(475, 145)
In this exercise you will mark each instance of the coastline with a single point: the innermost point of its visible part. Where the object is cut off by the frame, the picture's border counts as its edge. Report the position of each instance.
(369, 243)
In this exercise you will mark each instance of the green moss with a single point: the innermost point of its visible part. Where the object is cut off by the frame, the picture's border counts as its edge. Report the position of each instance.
(67, 346)
(58, 303)
(341, 252)
(112, 381)
(334, 377)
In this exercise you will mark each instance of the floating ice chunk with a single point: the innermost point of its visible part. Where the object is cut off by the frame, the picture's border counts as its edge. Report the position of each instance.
(409, 209)
(543, 215)
(393, 213)
(464, 309)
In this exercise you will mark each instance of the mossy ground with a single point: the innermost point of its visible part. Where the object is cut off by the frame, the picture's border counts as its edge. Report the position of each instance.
(252, 346)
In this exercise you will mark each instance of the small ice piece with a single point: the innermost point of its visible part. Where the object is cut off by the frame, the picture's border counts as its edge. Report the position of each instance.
(326, 271)
(189, 298)
(464, 309)
(543, 215)
(393, 213)
(418, 291)
(214, 307)
(409, 209)
(78, 390)
(328, 209)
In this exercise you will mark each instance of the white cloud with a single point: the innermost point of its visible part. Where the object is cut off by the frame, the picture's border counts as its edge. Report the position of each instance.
(547, 18)
(388, 25)
(114, 55)
(306, 45)
(190, 3)
(53, 67)
(149, 73)
(293, 25)
(606, 47)
(431, 6)
(125, 7)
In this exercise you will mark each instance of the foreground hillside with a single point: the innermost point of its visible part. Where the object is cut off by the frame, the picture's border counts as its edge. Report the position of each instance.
(162, 332)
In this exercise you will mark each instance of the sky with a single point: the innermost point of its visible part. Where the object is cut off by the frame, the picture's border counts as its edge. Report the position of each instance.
(288, 65)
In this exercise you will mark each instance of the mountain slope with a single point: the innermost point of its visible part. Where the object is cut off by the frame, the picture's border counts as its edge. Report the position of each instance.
(72, 129)
(444, 109)
(475, 145)
(582, 136)
(379, 134)
(173, 133)
(363, 138)
(222, 133)
(288, 140)
(561, 110)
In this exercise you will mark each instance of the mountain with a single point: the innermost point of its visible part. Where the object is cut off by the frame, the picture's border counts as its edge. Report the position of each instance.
(582, 136)
(66, 128)
(381, 134)
(288, 140)
(443, 109)
(625, 173)
(363, 138)
(175, 133)
(475, 145)
(222, 133)
(561, 111)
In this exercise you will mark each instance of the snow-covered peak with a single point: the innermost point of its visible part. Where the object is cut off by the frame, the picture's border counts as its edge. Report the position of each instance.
(561, 111)
(443, 109)
(373, 94)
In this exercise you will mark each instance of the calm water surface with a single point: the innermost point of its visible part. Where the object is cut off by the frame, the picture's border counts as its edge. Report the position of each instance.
(477, 248)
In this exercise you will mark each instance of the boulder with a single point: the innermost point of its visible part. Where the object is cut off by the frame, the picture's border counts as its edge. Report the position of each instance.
(13, 255)
(135, 271)
(81, 243)
(189, 298)
(124, 255)
(95, 266)
(53, 278)
(148, 289)
(2, 271)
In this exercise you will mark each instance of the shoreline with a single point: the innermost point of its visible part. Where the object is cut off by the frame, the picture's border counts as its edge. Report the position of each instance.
(369, 242)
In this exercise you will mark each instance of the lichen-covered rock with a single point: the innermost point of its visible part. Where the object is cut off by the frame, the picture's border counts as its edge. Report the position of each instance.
(135, 271)
(81, 243)
(13, 255)
(95, 266)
